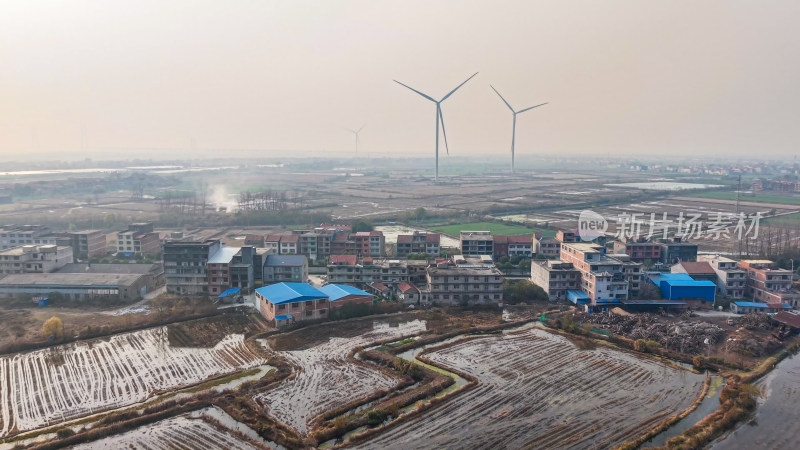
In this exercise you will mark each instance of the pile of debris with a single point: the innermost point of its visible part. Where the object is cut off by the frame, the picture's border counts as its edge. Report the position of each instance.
(684, 336)
(754, 321)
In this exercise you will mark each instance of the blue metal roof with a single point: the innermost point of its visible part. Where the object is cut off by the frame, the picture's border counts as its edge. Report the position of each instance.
(649, 303)
(228, 292)
(337, 291)
(679, 279)
(751, 304)
(290, 293)
(284, 317)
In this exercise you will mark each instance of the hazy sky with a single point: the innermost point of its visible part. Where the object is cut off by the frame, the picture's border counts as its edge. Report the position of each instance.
(635, 77)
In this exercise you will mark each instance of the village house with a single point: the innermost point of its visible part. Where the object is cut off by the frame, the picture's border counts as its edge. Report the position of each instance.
(287, 303)
(342, 294)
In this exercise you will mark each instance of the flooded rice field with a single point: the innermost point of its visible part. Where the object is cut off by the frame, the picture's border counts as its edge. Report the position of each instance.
(206, 429)
(49, 386)
(537, 389)
(326, 378)
(776, 424)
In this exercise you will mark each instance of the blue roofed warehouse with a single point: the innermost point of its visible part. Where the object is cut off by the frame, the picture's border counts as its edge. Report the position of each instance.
(680, 286)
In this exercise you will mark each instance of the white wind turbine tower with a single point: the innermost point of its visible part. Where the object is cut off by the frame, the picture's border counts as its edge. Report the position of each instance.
(439, 118)
(355, 132)
(514, 126)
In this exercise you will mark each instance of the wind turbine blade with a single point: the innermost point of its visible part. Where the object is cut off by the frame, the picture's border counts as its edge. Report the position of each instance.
(454, 90)
(418, 92)
(501, 98)
(441, 119)
(362, 127)
(526, 109)
(348, 129)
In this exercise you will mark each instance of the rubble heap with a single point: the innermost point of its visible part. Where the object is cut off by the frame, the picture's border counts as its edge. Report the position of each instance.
(684, 336)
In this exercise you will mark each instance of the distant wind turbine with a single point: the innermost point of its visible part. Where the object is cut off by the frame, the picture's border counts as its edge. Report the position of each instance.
(439, 118)
(356, 133)
(514, 126)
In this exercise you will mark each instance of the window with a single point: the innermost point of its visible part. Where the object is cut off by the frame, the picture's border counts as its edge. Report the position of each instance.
(309, 304)
(281, 307)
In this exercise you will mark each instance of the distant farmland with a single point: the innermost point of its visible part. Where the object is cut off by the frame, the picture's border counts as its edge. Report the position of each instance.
(760, 198)
(495, 228)
(787, 220)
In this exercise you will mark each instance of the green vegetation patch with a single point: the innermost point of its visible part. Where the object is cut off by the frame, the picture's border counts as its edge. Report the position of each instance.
(493, 227)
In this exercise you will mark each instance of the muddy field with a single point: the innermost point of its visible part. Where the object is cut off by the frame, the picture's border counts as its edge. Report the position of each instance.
(199, 430)
(60, 383)
(536, 389)
(326, 378)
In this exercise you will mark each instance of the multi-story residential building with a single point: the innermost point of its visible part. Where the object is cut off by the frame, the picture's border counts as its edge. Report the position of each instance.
(769, 284)
(17, 236)
(474, 243)
(347, 269)
(556, 278)
(549, 247)
(218, 270)
(639, 249)
(418, 243)
(312, 244)
(34, 259)
(88, 243)
(417, 271)
(731, 280)
(285, 268)
(512, 246)
(603, 277)
(139, 239)
(242, 269)
(567, 236)
(369, 243)
(185, 266)
(290, 245)
(259, 258)
(448, 283)
(272, 242)
(674, 250)
(362, 244)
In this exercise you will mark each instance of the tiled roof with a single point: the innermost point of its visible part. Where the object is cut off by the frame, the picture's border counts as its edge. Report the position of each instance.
(697, 267)
(787, 318)
(405, 287)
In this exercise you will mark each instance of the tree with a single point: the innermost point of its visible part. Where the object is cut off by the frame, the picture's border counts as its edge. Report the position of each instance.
(361, 225)
(53, 328)
(419, 214)
(522, 291)
(109, 220)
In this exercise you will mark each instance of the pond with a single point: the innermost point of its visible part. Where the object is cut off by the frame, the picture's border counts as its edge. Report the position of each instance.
(777, 420)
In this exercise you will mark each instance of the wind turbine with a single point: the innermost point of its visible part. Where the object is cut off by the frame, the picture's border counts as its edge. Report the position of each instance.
(514, 126)
(439, 118)
(356, 133)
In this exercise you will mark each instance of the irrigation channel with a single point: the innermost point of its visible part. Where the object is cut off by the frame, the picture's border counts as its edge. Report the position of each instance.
(709, 404)
(408, 355)
(776, 423)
